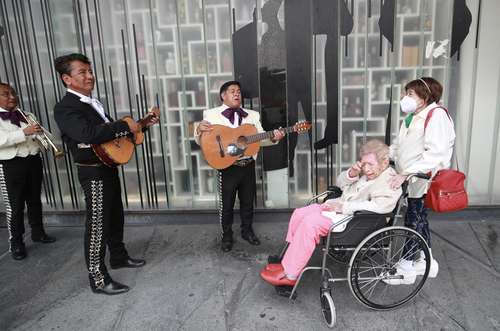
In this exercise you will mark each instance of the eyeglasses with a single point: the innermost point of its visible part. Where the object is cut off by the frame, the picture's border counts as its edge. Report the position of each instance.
(8, 94)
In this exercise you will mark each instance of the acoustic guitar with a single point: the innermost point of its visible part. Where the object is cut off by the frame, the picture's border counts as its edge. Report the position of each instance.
(120, 150)
(223, 145)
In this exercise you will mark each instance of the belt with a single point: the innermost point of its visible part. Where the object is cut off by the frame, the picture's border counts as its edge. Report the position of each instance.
(89, 164)
(243, 162)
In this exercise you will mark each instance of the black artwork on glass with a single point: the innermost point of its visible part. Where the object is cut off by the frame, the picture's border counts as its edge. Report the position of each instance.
(462, 19)
(325, 22)
(298, 34)
(245, 59)
(386, 22)
(273, 85)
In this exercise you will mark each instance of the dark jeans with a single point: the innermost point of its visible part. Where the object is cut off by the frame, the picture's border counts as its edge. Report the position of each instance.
(416, 219)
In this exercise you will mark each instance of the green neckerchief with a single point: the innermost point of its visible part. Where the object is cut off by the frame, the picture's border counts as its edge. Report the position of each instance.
(408, 120)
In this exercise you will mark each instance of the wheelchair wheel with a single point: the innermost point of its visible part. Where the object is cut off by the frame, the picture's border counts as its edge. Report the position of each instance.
(328, 308)
(372, 273)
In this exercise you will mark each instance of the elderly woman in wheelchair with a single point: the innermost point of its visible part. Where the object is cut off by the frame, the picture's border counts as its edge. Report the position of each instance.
(360, 232)
(365, 186)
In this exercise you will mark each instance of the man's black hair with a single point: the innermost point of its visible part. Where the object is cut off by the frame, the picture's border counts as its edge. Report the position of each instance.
(226, 85)
(63, 63)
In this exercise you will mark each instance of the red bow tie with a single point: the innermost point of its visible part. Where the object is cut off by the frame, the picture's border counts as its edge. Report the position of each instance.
(13, 116)
(229, 114)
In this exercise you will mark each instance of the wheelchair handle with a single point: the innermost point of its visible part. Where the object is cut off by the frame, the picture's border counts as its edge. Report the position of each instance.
(419, 175)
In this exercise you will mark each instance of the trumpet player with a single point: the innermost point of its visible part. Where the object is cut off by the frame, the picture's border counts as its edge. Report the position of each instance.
(20, 174)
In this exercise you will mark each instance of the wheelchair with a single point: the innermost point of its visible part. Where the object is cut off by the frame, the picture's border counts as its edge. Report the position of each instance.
(371, 247)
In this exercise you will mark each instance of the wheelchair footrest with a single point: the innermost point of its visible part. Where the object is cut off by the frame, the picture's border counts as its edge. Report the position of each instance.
(285, 291)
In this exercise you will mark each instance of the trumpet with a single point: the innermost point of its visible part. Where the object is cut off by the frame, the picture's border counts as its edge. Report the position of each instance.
(45, 139)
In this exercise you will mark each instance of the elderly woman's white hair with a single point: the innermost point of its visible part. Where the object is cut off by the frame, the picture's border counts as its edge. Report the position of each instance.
(376, 147)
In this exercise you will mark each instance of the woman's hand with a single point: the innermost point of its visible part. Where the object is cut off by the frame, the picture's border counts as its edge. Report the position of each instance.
(332, 205)
(396, 181)
(355, 169)
(325, 206)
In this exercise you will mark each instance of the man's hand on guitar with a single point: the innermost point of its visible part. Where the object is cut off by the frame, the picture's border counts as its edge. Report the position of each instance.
(134, 126)
(154, 116)
(277, 135)
(204, 126)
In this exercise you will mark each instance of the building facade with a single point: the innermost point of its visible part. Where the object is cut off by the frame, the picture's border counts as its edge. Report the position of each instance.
(177, 53)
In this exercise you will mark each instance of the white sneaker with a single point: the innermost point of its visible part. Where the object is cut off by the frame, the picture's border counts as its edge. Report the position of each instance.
(405, 274)
(419, 267)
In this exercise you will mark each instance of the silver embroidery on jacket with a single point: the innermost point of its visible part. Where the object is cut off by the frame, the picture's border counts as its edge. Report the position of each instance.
(5, 196)
(96, 232)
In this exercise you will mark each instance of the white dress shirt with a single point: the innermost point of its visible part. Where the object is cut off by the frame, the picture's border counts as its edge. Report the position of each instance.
(419, 151)
(96, 104)
(13, 142)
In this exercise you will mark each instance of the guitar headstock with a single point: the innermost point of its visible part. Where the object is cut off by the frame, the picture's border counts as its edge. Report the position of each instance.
(301, 127)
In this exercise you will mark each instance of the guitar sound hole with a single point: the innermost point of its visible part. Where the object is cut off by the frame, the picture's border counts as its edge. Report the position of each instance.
(241, 142)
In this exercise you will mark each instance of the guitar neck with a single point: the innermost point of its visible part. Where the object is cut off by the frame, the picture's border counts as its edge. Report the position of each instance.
(266, 135)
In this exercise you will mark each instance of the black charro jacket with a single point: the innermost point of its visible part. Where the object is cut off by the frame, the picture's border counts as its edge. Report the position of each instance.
(81, 125)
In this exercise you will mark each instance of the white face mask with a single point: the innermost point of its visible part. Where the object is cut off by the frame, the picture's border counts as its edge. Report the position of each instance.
(408, 104)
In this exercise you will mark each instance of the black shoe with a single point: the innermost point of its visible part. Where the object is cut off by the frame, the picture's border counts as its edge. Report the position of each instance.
(227, 242)
(250, 237)
(128, 263)
(44, 238)
(18, 251)
(111, 288)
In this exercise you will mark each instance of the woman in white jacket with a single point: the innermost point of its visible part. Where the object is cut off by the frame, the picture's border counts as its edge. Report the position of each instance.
(424, 145)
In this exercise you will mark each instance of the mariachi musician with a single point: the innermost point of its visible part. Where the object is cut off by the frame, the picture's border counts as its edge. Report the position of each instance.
(240, 177)
(20, 173)
(83, 122)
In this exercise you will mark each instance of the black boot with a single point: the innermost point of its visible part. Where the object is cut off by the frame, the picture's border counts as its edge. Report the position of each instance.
(42, 238)
(227, 242)
(127, 263)
(18, 251)
(110, 288)
(250, 236)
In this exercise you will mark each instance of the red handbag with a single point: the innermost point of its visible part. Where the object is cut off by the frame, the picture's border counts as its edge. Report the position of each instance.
(447, 190)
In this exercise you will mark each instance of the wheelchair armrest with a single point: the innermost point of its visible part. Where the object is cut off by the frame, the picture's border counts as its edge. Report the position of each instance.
(366, 213)
(333, 192)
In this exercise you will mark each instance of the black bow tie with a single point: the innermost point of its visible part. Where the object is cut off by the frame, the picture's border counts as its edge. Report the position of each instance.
(229, 114)
(13, 116)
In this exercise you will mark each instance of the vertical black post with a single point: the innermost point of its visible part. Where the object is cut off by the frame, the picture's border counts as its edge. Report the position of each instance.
(92, 49)
(101, 47)
(150, 147)
(130, 110)
(144, 157)
(113, 99)
(145, 149)
(37, 55)
(163, 156)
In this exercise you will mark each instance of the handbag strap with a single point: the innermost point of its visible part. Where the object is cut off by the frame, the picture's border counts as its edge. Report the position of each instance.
(428, 118)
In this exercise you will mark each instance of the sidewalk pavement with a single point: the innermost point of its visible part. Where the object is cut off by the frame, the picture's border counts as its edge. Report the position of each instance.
(188, 283)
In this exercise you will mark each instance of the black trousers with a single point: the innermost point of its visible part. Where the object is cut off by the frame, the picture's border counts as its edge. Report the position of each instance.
(104, 221)
(241, 181)
(20, 184)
